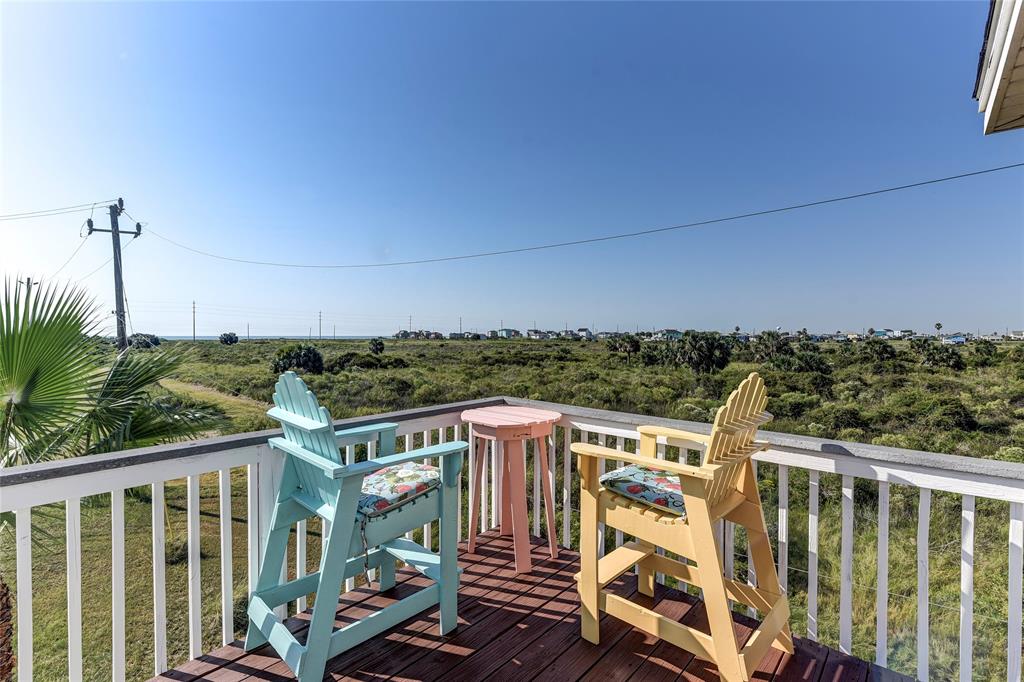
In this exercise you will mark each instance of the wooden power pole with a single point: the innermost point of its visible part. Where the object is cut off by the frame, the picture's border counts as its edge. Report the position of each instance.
(115, 237)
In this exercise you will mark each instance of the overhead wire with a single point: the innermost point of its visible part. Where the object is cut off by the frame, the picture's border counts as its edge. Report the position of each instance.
(591, 240)
(70, 258)
(46, 213)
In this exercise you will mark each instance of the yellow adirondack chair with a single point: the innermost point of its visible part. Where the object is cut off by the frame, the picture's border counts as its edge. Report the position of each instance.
(675, 506)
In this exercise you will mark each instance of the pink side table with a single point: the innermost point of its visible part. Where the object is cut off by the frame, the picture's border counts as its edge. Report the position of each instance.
(512, 427)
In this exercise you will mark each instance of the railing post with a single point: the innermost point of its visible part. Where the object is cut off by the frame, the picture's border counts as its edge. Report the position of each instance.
(23, 545)
(967, 588)
(1016, 569)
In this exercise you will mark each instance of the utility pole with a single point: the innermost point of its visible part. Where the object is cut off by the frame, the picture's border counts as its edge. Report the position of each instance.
(410, 323)
(248, 337)
(460, 325)
(320, 324)
(193, 321)
(335, 332)
(115, 236)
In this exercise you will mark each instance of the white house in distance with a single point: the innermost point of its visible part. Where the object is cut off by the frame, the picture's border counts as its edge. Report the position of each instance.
(999, 87)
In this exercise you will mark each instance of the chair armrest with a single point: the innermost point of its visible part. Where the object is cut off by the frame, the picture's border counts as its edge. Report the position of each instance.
(455, 447)
(674, 434)
(362, 434)
(332, 469)
(601, 452)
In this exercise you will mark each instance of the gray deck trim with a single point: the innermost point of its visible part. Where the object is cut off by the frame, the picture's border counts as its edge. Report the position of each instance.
(879, 453)
(897, 456)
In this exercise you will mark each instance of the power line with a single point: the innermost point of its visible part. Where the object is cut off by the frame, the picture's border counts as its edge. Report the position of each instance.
(105, 263)
(592, 240)
(45, 213)
(74, 253)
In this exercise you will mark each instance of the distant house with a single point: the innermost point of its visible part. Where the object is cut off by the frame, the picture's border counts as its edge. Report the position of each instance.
(998, 86)
(493, 334)
(1016, 335)
(508, 333)
(667, 335)
(403, 334)
(883, 333)
(584, 333)
(456, 335)
(607, 335)
(954, 340)
(568, 334)
(536, 334)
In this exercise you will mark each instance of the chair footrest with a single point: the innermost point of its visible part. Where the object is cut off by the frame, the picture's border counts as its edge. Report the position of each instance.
(419, 557)
(620, 560)
(276, 633)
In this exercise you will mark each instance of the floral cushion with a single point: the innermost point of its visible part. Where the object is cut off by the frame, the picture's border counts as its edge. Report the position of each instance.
(651, 486)
(393, 486)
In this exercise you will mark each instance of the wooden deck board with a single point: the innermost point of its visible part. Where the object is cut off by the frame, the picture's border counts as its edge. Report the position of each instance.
(518, 628)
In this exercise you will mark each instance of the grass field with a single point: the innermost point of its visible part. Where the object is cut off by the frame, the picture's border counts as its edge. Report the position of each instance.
(975, 411)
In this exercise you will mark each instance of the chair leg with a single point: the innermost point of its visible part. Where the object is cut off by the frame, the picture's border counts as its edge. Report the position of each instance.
(645, 579)
(588, 588)
(332, 575)
(474, 503)
(448, 585)
(709, 564)
(761, 554)
(549, 496)
(386, 575)
(269, 576)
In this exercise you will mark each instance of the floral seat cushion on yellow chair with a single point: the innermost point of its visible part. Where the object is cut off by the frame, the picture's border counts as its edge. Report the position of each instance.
(651, 486)
(393, 486)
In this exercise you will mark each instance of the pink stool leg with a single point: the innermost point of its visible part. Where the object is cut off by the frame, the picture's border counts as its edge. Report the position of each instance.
(517, 493)
(474, 503)
(505, 499)
(549, 497)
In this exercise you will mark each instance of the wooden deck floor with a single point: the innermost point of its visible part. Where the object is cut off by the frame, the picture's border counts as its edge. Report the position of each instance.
(521, 627)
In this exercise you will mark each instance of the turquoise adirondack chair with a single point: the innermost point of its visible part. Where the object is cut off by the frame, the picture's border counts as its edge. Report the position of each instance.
(370, 506)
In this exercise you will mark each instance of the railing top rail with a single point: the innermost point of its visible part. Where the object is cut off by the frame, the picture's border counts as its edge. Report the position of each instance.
(32, 473)
(1010, 471)
(879, 453)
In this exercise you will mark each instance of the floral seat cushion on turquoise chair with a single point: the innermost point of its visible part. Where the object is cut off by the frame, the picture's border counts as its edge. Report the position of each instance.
(651, 486)
(393, 486)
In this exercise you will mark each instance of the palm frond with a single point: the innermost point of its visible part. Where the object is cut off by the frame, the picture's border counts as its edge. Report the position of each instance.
(47, 365)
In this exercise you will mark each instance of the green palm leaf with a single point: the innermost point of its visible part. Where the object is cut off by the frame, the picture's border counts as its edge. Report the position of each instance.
(47, 363)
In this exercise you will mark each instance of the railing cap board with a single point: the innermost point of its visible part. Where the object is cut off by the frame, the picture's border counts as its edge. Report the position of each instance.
(158, 453)
(31, 473)
(880, 453)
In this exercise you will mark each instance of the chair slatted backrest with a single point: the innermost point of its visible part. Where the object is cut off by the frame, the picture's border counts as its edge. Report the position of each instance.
(306, 424)
(733, 433)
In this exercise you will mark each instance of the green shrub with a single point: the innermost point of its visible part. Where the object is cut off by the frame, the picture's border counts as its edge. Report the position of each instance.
(298, 356)
(140, 341)
(792, 405)
(950, 413)
(1010, 453)
(229, 338)
(692, 413)
(838, 417)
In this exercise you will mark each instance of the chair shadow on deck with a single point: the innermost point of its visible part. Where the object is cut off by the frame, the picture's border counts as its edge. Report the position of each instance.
(520, 627)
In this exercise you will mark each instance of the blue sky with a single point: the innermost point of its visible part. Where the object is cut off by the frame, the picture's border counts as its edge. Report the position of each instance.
(341, 133)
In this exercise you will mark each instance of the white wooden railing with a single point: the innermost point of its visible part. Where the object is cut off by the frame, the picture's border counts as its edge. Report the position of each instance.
(24, 488)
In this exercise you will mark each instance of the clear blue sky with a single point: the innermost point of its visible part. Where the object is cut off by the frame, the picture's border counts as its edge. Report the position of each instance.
(338, 133)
